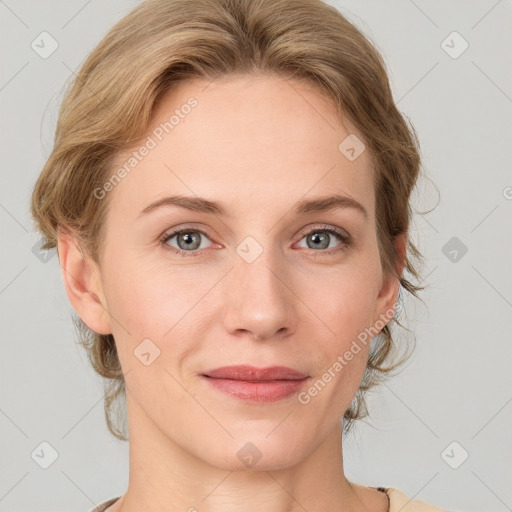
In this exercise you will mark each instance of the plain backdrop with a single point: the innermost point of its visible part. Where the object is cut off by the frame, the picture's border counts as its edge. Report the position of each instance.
(439, 431)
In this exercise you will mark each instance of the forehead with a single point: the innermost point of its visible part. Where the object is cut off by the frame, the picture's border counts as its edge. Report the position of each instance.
(249, 141)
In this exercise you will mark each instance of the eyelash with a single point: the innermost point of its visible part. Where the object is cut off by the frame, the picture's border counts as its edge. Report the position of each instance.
(344, 238)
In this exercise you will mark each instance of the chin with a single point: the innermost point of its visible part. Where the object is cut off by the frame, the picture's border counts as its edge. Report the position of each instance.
(258, 453)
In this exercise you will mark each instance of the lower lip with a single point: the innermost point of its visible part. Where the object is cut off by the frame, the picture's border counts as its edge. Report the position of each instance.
(269, 391)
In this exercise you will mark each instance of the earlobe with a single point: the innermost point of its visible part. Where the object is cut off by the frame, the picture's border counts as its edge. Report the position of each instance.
(83, 286)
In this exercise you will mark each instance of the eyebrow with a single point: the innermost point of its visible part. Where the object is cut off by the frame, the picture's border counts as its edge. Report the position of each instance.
(200, 204)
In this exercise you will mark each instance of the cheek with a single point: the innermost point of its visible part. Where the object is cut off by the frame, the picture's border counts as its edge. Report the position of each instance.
(343, 309)
(343, 301)
(159, 302)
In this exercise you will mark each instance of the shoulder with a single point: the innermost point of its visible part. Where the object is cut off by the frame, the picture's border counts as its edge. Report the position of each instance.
(103, 506)
(399, 501)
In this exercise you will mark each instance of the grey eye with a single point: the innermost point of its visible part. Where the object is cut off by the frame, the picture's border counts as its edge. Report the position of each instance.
(321, 239)
(186, 239)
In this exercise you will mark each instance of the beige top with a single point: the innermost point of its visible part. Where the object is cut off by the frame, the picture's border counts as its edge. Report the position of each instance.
(398, 502)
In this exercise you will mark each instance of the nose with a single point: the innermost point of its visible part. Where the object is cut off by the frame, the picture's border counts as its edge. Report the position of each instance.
(260, 299)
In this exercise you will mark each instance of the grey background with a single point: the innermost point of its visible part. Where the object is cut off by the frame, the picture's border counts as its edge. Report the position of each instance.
(458, 385)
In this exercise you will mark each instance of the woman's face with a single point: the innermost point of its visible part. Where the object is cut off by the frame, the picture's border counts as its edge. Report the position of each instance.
(259, 283)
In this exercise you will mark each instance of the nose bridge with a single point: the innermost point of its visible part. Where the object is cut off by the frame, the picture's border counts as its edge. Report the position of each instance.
(260, 300)
(260, 261)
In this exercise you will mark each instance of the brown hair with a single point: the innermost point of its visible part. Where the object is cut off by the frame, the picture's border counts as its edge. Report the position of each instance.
(108, 106)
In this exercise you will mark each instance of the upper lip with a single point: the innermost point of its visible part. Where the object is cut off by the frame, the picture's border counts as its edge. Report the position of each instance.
(251, 373)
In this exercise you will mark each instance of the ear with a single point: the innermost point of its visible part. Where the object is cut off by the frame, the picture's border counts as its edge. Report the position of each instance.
(83, 284)
(388, 294)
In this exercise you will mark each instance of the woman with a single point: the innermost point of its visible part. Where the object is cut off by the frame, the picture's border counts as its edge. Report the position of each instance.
(229, 196)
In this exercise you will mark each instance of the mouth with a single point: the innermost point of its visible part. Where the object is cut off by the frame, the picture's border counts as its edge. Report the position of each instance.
(256, 385)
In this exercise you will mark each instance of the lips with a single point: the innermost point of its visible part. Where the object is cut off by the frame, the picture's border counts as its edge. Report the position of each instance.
(256, 385)
(249, 373)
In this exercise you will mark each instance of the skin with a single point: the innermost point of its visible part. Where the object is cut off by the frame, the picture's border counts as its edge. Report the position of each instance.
(259, 145)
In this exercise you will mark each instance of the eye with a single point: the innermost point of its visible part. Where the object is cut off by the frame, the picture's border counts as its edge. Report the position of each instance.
(188, 241)
(322, 238)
